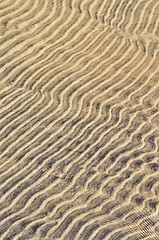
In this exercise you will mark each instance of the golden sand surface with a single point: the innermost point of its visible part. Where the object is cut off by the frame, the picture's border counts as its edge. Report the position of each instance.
(79, 119)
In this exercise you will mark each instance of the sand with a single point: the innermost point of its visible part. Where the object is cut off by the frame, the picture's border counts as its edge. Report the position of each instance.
(79, 119)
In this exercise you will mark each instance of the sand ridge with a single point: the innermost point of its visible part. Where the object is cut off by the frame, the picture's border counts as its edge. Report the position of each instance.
(79, 119)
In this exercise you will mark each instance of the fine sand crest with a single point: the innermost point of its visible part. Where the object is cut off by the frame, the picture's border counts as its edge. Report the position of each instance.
(79, 119)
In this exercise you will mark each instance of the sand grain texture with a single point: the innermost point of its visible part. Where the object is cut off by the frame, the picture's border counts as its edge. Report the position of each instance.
(79, 119)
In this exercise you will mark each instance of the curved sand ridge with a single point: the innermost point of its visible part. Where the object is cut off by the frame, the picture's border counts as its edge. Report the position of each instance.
(79, 119)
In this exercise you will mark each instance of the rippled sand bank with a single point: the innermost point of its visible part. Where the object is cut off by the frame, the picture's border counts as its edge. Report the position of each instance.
(79, 119)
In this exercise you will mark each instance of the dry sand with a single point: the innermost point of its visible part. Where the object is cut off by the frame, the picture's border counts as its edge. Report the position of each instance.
(79, 119)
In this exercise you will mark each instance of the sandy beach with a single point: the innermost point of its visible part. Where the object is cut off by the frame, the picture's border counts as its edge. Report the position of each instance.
(79, 119)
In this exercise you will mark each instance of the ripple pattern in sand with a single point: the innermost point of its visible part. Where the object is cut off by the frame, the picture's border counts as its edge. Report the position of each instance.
(79, 119)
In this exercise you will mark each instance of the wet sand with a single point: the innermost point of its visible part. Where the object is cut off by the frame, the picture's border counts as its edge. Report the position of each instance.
(79, 119)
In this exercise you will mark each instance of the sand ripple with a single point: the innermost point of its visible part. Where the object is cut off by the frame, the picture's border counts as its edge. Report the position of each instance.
(79, 119)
